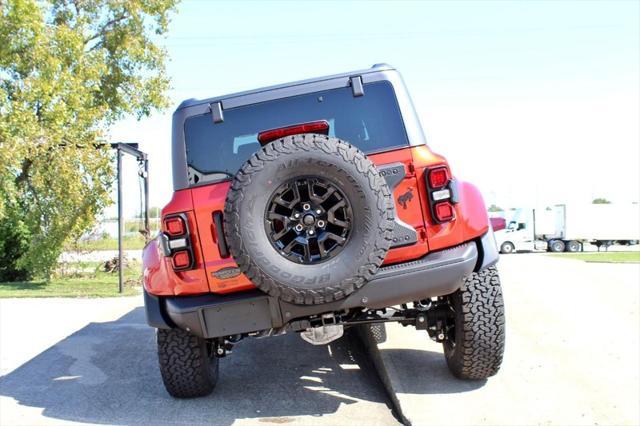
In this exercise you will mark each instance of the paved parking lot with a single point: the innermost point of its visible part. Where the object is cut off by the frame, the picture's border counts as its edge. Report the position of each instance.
(106, 373)
(572, 352)
(572, 357)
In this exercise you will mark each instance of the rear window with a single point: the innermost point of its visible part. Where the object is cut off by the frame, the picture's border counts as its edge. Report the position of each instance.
(371, 122)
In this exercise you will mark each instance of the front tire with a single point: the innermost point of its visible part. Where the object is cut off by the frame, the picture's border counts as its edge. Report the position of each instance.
(507, 248)
(474, 347)
(188, 368)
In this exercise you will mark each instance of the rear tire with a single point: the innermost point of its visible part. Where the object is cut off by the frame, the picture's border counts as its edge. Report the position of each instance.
(186, 363)
(507, 248)
(572, 246)
(556, 246)
(474, 347)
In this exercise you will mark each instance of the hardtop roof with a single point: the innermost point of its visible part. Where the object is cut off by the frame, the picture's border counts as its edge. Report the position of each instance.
(375, 68)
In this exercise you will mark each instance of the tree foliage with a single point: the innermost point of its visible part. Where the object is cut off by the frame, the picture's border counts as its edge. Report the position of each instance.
(68, 70)
(601, 201)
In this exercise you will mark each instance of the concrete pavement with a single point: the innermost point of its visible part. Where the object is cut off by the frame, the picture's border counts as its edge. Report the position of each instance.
(106, 373)
(572, 352)
(572, 357)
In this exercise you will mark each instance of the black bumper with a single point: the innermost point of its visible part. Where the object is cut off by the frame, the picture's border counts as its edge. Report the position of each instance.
(211, 315)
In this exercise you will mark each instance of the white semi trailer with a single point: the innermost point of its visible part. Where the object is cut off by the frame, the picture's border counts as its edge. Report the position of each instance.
(568, 227)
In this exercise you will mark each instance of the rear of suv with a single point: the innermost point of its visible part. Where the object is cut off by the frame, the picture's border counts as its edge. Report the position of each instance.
(310, 207)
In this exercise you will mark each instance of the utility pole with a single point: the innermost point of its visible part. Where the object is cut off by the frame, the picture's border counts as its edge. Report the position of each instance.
(120, 223)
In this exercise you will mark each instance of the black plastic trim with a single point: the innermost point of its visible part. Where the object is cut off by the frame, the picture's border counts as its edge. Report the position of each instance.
(488, 252)
(356, 86)
(216, 112)
(213, 315)
(154, 311)
(222, 242)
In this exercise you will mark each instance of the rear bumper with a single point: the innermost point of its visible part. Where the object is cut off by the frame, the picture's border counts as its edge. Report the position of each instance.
(212, 315)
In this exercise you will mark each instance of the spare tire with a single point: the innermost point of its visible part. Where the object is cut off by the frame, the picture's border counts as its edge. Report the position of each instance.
(309, 219)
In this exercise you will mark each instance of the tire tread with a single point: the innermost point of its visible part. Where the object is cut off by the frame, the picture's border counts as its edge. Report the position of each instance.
(186, 369)
(480, 348)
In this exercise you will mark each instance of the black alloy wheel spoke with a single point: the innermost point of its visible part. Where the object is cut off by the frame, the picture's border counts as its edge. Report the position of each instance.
(308, 220)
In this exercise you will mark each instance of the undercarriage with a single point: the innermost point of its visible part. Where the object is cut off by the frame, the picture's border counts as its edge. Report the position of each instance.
(436, 316)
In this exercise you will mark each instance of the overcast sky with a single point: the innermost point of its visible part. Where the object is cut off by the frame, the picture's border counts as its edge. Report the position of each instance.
(535, 102)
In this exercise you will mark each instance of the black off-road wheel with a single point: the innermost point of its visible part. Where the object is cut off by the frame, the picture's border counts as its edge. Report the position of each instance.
(187, 364)
(474, 346)
(309, 219)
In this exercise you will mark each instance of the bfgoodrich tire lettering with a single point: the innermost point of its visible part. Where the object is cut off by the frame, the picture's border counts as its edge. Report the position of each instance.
(188, 369)
(475, 348)
(336, 162)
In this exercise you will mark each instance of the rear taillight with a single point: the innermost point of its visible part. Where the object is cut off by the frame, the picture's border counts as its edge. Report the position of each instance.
(438, 177)
(441, 190)
(181, 260)
(443, 211)
(176, 241)
(175, 226)
(267, 136)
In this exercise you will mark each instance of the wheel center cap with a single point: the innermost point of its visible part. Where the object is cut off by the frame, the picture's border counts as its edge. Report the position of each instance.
(308, 219)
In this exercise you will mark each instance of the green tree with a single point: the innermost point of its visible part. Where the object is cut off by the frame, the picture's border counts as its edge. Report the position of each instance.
(601, 201)
(68, 70)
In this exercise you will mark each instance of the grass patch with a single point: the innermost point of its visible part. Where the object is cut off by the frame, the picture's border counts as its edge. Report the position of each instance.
(608, 257)
(84, 279)
(134, 242)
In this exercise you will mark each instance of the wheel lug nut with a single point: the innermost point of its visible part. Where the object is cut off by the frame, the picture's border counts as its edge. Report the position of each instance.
(299, 228)
(297, 215)
(311, 232)
(321, 223)
(318, 211)
(306, 206)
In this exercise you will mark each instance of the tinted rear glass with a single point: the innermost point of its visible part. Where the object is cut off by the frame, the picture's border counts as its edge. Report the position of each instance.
(371, 122)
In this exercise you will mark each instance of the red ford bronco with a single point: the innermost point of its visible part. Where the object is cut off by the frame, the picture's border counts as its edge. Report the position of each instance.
(309, 207)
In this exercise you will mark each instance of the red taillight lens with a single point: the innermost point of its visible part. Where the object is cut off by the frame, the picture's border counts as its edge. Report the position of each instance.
(181, 259)
(175, 226)
(321, 126)
(444, 211)
(438, 177)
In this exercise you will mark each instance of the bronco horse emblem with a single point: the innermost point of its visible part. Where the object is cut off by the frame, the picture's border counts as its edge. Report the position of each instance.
(405, 198)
